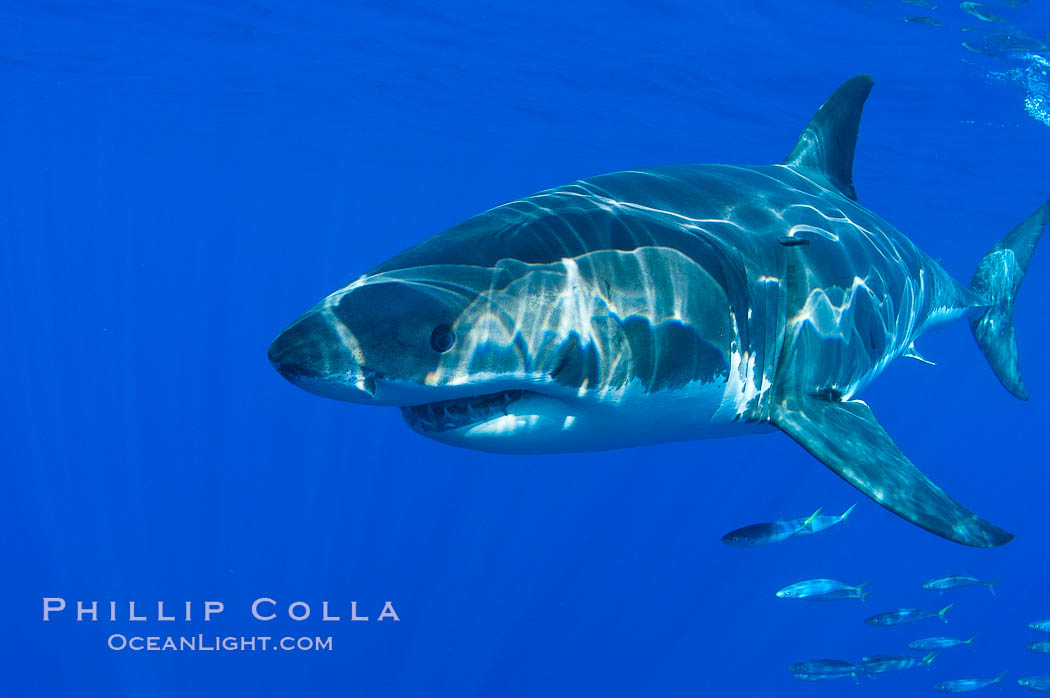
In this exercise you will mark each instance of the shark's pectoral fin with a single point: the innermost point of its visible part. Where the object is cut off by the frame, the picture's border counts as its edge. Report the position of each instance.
(847, 438)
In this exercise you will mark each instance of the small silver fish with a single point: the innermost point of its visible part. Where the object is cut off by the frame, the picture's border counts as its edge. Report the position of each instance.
(887, 663)
(923, 20)
(818, 522)
(937, 643)
(824, 677)
(958, 580)
(766, 533)
(823, 669)
(967, 685)
(1039, 684)
(983, 50)
(817, 666)
(823, 590)
(906, 615)
(1042, 626)
(1040, 647)
(922, 3)
(1010, 41)
(975, 9)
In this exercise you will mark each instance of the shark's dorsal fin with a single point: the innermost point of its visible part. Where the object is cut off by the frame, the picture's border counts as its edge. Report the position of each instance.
(826, 146)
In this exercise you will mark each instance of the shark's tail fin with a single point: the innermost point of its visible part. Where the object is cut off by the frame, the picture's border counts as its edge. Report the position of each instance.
(997, 279)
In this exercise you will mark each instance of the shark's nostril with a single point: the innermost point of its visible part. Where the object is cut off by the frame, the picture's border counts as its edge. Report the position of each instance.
(311, 354)
(273, 352)
(304, 349)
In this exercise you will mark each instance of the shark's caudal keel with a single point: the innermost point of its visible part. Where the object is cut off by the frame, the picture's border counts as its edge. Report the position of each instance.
(664, 304)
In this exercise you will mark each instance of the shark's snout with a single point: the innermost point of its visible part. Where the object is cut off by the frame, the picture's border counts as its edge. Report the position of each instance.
(310, 355)
(300, 351)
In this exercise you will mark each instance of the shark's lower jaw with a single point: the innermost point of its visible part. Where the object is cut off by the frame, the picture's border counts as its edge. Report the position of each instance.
(436, 417)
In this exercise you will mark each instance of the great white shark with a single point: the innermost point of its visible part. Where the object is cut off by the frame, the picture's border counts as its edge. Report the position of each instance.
(670, 303)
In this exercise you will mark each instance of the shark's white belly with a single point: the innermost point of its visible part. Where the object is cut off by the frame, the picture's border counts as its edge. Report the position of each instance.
(630, 417)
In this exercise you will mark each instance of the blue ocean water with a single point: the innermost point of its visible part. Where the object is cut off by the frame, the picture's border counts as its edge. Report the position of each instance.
(183, 179)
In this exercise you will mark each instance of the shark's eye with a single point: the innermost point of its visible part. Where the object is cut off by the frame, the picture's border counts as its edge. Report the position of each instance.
(442, 338)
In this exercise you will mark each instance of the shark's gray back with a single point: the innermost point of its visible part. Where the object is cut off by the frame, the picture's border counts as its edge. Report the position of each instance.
(788, 256)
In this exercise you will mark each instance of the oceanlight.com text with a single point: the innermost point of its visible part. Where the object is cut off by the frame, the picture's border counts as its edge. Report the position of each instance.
(217, 643)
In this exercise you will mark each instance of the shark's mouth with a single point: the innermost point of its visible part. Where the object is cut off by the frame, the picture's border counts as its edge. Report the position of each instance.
(462, 412)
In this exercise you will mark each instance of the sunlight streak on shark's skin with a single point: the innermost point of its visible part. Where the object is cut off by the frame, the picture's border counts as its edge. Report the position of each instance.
(669, 303)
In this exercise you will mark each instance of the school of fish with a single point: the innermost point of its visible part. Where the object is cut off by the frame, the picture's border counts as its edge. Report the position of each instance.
(872, 666)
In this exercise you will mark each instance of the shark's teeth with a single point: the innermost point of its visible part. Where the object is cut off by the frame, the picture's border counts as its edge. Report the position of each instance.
(453, 414)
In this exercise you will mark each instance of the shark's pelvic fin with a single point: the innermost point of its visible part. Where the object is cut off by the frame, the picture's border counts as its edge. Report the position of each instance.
(829, 141)
(847, 438)
(997, 280)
